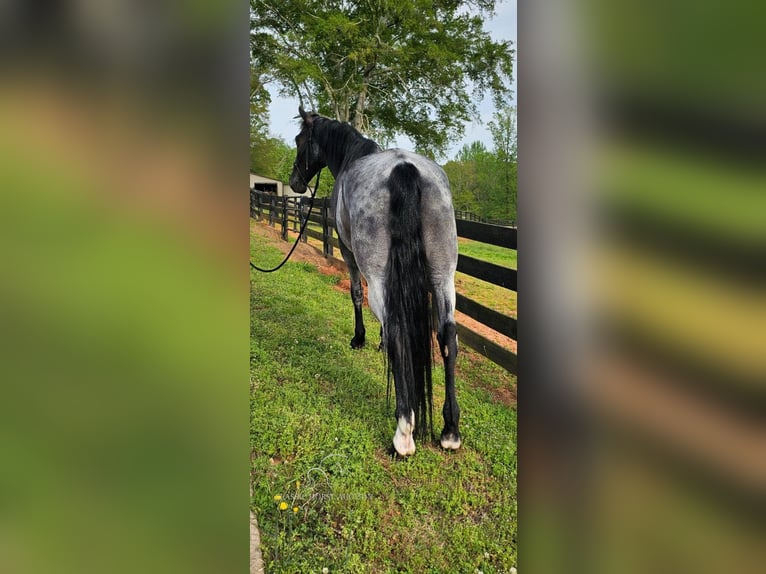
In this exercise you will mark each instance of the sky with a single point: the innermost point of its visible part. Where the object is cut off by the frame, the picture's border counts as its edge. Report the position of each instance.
(501, 27)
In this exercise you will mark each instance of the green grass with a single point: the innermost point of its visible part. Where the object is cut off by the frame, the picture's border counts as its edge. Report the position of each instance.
(486, 252)
(320, 434)
(492, 296)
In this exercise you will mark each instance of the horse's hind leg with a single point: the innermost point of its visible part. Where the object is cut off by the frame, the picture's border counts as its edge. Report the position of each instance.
(357, 296)
(444, 299)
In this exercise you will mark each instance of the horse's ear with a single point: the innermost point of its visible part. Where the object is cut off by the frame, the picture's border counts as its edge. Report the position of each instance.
(308, 118)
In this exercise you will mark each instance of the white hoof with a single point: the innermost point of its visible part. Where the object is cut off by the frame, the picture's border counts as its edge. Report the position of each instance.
(404, 443)
(451, 442)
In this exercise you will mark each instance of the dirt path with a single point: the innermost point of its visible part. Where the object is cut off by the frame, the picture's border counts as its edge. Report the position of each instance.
(256, 559)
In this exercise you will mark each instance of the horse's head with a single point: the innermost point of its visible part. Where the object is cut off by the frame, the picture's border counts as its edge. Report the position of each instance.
(308, 160)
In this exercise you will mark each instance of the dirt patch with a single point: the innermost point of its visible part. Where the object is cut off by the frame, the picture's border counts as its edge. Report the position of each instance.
(484, 331)
(504, 394)
(304, 252)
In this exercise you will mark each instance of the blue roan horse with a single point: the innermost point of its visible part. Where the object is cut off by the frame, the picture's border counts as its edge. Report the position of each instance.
(394, 216)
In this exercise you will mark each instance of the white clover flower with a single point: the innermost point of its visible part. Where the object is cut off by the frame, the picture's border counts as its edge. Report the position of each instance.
(325, 570)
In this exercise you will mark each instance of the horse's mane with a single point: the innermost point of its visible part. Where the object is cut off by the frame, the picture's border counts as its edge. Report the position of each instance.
(341, 143)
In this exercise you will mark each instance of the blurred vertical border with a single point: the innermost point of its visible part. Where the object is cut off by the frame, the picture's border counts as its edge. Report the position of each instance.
(642, 332)
(124, 291)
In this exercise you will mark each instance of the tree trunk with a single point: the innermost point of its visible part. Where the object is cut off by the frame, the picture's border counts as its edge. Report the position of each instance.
(361, 101)
(359, 111)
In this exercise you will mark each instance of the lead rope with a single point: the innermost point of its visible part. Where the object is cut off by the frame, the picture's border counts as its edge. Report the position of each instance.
(300, 234)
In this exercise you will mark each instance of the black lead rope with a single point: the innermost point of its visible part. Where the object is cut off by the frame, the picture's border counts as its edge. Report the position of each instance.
(300, 234)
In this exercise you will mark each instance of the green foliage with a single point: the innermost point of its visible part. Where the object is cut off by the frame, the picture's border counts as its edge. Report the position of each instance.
(270, 157)
(503, 130)
(476, 178)
(484, 181)
(264, 150)
(259, 107)
(396, 67)
(320, 431)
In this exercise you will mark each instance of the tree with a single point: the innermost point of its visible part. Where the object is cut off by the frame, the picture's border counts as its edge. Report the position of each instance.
(484, 181)
(388, 67)
(260, 145)
(269, 156)
(503, 130)
(483, 164)
(462, 178)
(259, 107)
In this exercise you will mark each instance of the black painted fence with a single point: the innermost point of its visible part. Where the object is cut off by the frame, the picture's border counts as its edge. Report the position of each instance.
(289, 213)
(471, 216)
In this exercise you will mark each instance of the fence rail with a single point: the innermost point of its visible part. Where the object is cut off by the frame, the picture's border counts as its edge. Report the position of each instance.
(291, 212)
(470, 216)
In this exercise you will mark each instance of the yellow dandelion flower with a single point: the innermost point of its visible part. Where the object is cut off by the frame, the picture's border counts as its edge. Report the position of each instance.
(277, 497)
(282, 506)
(297, 484)
(295, 509)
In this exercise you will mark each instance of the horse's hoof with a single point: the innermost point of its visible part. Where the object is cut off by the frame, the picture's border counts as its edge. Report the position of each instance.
(404, 447)
(357, 342)
(404, 442)
(451, 440)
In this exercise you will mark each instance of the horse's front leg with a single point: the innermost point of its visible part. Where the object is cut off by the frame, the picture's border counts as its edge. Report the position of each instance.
(357, 297)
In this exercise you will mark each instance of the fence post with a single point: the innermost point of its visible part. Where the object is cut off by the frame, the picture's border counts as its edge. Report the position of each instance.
(323, 217)
(329, 228)
(304, 215)
(284, 218)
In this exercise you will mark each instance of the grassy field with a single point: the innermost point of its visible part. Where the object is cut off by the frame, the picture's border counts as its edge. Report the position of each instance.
(325, 488)
(494, 297)
(486, 252)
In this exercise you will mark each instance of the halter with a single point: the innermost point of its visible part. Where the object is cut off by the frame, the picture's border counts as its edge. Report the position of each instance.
(311, 206)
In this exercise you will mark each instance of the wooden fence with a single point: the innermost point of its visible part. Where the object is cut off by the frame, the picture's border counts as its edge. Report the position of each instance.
(290, 212)
(471, 216)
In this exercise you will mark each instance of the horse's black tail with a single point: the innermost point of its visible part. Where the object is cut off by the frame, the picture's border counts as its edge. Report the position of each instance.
(408, 319)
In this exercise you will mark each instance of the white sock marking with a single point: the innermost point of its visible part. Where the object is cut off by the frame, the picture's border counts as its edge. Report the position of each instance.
(450, 443)
(403, 441)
